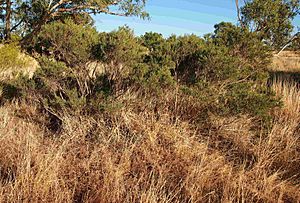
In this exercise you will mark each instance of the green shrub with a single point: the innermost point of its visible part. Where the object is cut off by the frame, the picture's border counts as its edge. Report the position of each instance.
(223, 74)
(227, 85)
(227, 74)
(158, 50)
(155, 71)
(181, 49)
(69, 89)
(10, 58)
(243, 43)
(153, 77)
(120, 50)
(67, 41)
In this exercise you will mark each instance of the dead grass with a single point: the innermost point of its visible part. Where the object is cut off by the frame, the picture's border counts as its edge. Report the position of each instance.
(133, 156)
(286, 61)
(138, 154)
(27, 68)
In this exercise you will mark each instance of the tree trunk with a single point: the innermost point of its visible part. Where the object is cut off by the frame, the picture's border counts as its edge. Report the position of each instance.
(8, 12)
(239, 13)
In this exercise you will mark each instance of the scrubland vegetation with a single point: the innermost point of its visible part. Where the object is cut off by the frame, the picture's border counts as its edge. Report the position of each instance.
(287, 61)
(89, 116)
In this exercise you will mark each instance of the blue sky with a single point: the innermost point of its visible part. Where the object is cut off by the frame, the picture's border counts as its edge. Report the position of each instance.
(176, 17)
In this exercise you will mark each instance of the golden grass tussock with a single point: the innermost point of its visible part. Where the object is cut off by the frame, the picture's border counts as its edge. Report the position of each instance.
(14, 63)
(288, 90)
(132, 155)
(286, 61)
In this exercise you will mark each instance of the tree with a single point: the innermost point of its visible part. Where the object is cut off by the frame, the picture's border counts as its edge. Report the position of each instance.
(11, 17)
(238, 12)
(6, 17)
(272, 19)
(33, 14)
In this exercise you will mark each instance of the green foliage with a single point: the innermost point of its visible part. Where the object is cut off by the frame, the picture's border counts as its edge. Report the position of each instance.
(31, 15)
(223, 74)
(8, 92)
(245, 98)
(182, 50)
(154, 77)
(10, 58)
(69, 42)
(155, 72)
(120, 52)
(271, 19)
(240, 41)
(58, 86)
(119, 47)
(158, 49)
(183, 47)
(227, 74)
(227, 85)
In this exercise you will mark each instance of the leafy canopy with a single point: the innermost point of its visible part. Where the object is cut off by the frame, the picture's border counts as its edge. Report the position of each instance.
(28, 16)
(67, 41)
(272, 19)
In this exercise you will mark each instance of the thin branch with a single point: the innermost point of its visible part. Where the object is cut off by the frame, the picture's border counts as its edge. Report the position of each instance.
(94, 9)
(289, 42)
(17, 25)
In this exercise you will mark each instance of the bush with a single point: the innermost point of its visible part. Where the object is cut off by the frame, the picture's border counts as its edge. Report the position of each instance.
(158, 50)
(243, 43)
(227, 85)
(120, 50)
(67, 41)
(153, 77)
(155, 72)
(10, 58)
(182, 49)
(226, 73)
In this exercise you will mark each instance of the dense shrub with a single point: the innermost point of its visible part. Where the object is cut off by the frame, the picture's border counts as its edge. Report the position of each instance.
(181, 49)
(243, 43)
(155, 72)
(158, 50)
(227, 85)
(153, 77)
(67, 41)
(224, 73)
(10, 57)
(120, 51)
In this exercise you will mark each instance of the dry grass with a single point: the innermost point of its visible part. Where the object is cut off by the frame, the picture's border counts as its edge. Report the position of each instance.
(286, 61)
(14, 62)
(133, 156)
(136, 154)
